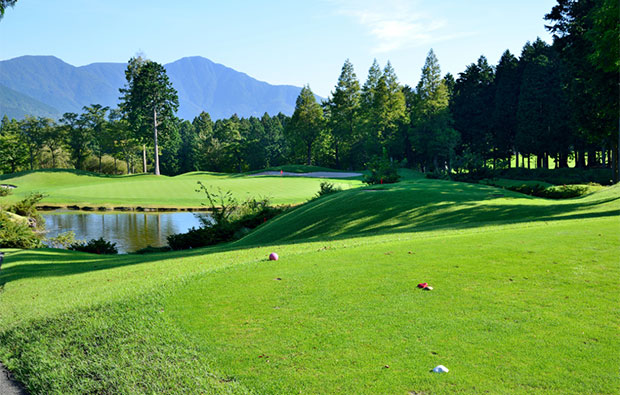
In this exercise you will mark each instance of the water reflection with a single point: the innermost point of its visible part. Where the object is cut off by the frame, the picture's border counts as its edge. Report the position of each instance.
(130, 231)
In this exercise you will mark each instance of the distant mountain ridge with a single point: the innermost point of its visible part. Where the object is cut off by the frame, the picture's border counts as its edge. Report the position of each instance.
(47, 86)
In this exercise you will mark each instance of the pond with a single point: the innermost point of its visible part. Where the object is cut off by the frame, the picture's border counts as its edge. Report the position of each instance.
(130, 231)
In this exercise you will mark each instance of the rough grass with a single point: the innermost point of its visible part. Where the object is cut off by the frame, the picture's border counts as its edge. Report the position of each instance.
(69, 187)
(525, 301)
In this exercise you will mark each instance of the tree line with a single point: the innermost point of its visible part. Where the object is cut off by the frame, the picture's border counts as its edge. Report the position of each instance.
(552, 104)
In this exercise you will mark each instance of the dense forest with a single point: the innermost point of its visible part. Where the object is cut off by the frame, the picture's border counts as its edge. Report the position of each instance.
(549, 106)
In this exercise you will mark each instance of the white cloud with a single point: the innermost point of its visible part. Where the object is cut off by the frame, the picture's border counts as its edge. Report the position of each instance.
(395, 24)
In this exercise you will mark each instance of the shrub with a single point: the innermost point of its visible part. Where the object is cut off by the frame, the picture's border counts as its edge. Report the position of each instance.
(382, 171)
(326, 188)
(63, 240)
(532, 190)
(565, 191)
(95, 246)
(228, 221)
(200, 237)
(4, 191)
(28, 208)
(556, 192)
(563, 176)
(15, 233)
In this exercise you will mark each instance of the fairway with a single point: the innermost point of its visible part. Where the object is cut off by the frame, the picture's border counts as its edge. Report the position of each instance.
(525, 301)
(65, 188)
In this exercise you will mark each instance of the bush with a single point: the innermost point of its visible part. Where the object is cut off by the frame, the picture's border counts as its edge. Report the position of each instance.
(200, 237)
(95, 246)
(327, 188)
(28, 208)
(63, 240)
(17, 234)
(228, 221)
(556, 192)
(382, 171)
(565, 192)
(563, 176)
(4, 191)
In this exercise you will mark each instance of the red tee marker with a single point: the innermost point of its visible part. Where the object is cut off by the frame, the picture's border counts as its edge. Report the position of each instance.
(273, 256)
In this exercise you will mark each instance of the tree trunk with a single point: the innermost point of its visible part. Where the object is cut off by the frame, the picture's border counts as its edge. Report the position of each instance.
(562, 160)
(127, 163)
(516, 159)
(100, 157)
(408, 151)
(337, 155)
(144, 158)
(529, 162)
(580, 160)
(156, 145)
(592, 162)
(115, 165)
(309, 152)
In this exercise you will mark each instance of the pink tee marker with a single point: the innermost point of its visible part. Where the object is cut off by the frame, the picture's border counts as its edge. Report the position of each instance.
(273, 256)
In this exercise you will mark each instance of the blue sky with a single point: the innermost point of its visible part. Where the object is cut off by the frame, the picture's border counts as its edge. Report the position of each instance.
(281, 42)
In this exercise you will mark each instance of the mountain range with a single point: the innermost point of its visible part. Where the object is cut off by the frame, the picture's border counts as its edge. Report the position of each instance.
(48, 86)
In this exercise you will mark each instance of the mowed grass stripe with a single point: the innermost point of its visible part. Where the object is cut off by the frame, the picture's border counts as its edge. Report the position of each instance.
(517, 310)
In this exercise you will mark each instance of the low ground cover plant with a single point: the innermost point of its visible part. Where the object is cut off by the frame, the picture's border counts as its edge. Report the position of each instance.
(16, 232)
(327, 188)
(95, 246)
(228, 220)
(554, 192)
(4, 191)
(21, 224)
(63, 240)
(563, 176)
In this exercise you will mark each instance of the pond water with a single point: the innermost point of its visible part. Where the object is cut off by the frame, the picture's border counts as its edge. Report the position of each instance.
(130, 231)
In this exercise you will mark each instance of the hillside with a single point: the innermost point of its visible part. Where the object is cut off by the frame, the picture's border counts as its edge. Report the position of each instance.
(510, 302)
(423, 205)
(17, 105)
(202, 85)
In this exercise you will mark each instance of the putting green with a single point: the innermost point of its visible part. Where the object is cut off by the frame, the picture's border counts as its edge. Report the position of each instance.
(89, 189)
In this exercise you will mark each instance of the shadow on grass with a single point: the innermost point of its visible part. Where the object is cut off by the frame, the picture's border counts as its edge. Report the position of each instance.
(415, 209)
(401, 208)
(55, 263)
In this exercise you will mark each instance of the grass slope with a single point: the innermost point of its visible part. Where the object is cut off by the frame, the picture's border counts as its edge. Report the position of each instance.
(68, 187)
(524, 307)
(423, 204)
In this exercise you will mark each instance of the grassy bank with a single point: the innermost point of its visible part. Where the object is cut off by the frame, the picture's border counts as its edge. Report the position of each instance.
(66, 188)
(525, 301)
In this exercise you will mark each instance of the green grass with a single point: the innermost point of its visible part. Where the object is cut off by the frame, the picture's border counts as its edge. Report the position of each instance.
(68, 187)
(526, 301)
(423, 205)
